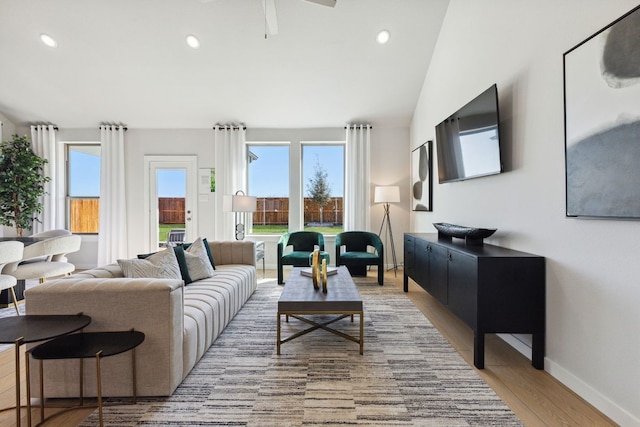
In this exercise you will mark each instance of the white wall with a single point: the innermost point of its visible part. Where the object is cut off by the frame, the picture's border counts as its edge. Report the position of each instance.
(592, 265)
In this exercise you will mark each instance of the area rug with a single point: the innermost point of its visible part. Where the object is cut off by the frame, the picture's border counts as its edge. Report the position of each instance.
(409, 375)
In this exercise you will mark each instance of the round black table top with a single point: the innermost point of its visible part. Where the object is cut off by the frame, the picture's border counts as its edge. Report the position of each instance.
(37, 327)
(88, 344)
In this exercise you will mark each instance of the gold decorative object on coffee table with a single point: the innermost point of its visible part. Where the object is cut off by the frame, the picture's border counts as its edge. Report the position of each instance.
(315, 271)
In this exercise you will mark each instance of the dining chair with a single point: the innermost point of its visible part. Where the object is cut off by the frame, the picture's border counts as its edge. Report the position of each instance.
(10, 251)
(50, 255)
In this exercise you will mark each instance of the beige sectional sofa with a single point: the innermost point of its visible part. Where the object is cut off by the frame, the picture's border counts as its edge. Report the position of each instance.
(180, 322)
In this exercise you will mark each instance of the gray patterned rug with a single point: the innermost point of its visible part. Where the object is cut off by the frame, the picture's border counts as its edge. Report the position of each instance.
(409, 375)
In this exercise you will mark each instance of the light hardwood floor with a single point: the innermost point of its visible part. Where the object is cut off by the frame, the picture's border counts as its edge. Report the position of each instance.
(535, 396)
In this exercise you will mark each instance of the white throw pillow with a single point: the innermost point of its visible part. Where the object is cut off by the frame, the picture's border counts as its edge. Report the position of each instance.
(161, 265)
(198, 262)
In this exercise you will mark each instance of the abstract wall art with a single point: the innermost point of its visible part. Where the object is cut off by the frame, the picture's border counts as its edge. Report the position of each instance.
(421, 171)
(602, 122)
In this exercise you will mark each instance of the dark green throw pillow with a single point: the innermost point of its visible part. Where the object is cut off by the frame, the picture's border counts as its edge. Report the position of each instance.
(182, 263)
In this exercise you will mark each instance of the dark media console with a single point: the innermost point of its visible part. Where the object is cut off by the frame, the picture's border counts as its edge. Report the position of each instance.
(492, 289)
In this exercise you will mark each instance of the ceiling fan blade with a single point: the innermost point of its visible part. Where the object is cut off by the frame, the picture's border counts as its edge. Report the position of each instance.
(329, 3)
(270, 16)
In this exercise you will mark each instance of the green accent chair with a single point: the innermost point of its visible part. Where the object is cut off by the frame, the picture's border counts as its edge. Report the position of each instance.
(303, 244)
(356, 255)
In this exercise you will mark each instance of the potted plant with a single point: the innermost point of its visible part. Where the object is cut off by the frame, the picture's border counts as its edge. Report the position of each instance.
(22, 183)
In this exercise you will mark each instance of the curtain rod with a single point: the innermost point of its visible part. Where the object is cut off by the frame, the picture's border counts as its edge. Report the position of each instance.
(123, 127)
(230, 127)
(54, 128)
(357, 126)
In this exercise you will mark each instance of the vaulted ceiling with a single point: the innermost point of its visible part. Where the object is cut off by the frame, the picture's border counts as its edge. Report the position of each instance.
(127, 61)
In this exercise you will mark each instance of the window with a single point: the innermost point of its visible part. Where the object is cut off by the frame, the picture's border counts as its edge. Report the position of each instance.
(268, 180)
(294, 195)
(323, 187)
(83, 188)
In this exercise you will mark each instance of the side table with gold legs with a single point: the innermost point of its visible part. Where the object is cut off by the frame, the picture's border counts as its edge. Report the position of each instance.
(88, 345)
(20, 330)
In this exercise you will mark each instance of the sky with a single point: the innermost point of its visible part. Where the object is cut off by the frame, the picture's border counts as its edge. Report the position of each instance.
(269, 174)
(84, 180)
(268, 177)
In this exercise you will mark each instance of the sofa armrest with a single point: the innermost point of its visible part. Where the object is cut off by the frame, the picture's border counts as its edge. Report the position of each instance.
(233, 252)
(152, 306)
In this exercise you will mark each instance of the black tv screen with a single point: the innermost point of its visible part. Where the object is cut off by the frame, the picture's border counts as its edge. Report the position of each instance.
(468, 141)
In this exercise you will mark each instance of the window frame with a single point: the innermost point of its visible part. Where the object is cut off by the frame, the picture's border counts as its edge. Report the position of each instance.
(68, 146)
(296, 184)
(249, 144)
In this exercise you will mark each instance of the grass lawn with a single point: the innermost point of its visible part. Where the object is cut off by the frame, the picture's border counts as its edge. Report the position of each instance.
(257, 229)
(281, 229)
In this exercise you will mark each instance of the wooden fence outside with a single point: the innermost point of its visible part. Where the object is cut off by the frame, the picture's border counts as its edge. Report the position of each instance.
(275, 211)
(171, 210)
(84, 213)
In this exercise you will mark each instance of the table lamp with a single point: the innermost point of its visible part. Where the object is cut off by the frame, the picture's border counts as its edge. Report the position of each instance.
(239, 203)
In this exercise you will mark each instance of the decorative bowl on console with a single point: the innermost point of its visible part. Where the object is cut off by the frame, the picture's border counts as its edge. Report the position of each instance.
(472, 235)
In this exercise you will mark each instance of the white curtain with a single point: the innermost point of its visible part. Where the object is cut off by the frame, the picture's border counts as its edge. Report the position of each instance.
(112, 237)
(357, 195)
(231, 172)
(43, 142)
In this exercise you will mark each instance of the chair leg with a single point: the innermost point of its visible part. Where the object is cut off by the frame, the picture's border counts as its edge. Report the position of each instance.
(15, 300)
(280, 275)
(380, 274)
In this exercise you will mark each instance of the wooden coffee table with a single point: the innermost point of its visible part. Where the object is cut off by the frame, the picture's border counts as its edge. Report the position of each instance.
(299, 299)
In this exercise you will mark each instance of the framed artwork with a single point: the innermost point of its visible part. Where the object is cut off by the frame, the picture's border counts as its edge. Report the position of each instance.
(602, 122)
(421, 171)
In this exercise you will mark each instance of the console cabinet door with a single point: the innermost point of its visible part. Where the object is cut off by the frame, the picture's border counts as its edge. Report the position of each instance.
(422, 263)
(437, 280)
(463, 288)
(409, 262)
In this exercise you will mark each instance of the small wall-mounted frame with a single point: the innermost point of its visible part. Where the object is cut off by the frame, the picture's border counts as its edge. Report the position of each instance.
(421, 180)
(207, 180)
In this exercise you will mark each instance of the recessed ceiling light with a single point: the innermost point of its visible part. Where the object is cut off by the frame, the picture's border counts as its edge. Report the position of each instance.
(383, 36)
(48, 40)
(193, 41)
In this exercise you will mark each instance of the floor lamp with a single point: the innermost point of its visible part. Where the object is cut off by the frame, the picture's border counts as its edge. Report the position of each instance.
(388, 194)
(239, 204)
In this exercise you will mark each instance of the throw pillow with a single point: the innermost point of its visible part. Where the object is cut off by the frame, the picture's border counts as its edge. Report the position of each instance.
(198, 262)
(182, 263)
(207, 247)
(161, 265)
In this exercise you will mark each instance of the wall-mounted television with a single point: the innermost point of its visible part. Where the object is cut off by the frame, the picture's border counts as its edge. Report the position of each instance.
(468, 141)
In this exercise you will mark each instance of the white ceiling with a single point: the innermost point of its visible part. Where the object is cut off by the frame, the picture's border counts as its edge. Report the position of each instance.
(127, 61)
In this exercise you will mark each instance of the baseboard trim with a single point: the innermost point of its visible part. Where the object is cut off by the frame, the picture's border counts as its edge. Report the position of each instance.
(582, 389)
(591, 395)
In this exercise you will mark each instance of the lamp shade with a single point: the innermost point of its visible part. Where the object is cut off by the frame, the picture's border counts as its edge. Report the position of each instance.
(239, 203)
(387, 194)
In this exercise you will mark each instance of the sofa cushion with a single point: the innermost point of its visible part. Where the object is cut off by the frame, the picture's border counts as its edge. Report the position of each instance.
(161, 265)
